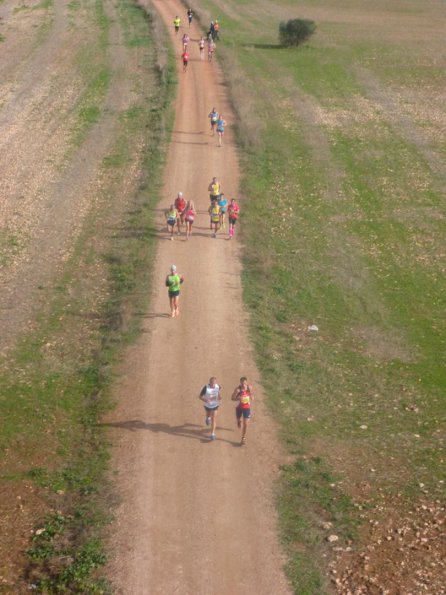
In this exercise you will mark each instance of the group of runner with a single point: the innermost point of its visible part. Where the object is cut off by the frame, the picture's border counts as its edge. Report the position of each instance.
(217, 123)
(211, 396)
(210, 41)
(219, 207)
(182, 212)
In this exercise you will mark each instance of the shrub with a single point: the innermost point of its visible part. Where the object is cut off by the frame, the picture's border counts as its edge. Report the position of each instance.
(295, 31)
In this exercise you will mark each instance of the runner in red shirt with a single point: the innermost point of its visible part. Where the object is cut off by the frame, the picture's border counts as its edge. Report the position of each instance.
(180, 205)
(185, 58)
(233, 215)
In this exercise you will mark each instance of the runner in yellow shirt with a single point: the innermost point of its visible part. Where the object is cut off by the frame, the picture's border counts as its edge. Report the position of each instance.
(214, 189)
(173, 282)
(214, 212)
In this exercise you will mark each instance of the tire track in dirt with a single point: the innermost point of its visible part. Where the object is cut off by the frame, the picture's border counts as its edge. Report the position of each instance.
(194, 516)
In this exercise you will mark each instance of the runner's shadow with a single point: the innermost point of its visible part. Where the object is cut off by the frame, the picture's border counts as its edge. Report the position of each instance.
(186, 142)
(187, 132)
(184, 430)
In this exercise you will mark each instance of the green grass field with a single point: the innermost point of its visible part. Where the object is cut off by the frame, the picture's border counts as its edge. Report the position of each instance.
(343, 204)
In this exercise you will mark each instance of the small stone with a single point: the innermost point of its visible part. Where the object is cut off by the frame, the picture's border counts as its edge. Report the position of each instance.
(332, 538)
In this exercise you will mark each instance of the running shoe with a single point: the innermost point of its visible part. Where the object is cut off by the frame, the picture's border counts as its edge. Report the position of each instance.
(212, 436)
(208, 421)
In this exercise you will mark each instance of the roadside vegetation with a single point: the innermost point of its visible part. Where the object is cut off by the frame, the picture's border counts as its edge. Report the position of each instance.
(54, 500)
(344, 260)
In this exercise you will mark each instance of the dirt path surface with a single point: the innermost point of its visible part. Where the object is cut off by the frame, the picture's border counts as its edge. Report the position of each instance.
(195, 516)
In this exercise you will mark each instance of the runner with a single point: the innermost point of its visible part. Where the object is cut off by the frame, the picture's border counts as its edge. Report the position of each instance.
(190, 217)
(214, 189)
(173, 282)
(211, 49)
(201, 46)
(213, 117)
(190, 15)
(233, 214)
(180, 206)
(211, 396)
(216, 31)
(214, 212)
(223, 204)
(221, 123)
(177, 23)
(171, 216)
(185, 41)
(243, 394)
(185, 58)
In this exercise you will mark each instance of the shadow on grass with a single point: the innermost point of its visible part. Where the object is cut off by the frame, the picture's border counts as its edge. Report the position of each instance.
(264, 46)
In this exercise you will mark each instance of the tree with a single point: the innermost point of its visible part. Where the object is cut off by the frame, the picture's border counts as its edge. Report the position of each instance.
(295, 31)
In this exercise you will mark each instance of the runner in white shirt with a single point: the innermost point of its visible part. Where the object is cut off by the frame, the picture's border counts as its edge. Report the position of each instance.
(211, 396)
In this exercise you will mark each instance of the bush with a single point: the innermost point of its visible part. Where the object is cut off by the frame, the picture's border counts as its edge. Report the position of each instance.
(295, 31)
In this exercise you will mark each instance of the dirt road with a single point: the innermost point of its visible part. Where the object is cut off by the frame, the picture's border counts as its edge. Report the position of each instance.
(195, 516)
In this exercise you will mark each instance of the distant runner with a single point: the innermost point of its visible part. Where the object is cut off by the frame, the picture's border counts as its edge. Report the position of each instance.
(223, 204)
(177, 23)
(180, 206)
(190, 16)
(190, 215)
(185, 58)
(173, 282)
(211, 396)
(243, 394)
(213, 117)
(185, 41)
(215, 36)
(221, 123)
(233, 215)
(201, 45)
(211, 49)
(214, 213)
(171, 217)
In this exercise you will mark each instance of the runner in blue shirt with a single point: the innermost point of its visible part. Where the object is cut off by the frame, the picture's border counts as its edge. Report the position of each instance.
(221, 123)
(223, 204)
